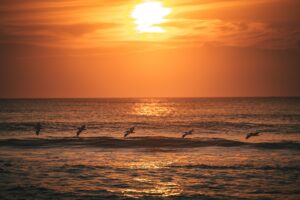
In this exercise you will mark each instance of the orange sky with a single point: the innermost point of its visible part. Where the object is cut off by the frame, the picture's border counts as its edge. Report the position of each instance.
(91, 48)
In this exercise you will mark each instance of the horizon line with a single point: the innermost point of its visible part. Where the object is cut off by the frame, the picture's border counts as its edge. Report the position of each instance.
(167, 97)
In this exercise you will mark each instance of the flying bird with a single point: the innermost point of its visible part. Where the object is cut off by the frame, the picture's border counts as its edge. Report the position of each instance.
(129, 131)
(80, 129)
(252, 134)
(38, 128)
(190, 132)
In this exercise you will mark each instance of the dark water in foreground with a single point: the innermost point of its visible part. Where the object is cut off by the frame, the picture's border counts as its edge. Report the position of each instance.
(216, 162)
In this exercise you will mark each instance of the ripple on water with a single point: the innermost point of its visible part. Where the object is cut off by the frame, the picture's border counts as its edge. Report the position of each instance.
(205, 173)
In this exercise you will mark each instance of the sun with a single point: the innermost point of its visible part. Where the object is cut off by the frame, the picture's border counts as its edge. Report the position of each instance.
(148, 15)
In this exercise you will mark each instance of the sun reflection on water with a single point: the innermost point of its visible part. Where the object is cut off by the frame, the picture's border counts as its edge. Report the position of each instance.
(207, 172)
(152, 109)
(149, 182)
(149, 165)
(163, 189)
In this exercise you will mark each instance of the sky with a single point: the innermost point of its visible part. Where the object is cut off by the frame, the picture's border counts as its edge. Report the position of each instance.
(199, 48)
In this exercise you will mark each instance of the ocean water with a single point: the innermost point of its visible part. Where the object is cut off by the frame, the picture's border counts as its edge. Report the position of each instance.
(215, 162)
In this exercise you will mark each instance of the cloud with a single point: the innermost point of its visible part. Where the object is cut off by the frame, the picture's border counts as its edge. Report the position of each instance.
(50, 34)
(237, 23)
(92, 23)
(237, 33)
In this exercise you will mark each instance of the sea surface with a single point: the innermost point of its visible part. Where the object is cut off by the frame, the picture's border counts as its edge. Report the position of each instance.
(215, 162)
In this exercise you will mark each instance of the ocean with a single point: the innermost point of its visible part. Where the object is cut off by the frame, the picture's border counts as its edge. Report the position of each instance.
(155, 162)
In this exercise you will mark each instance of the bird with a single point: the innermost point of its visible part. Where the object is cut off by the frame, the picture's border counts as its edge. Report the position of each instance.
(80, 129)
(186, 133)
(252, 134)
(129, 131)
(38, 128)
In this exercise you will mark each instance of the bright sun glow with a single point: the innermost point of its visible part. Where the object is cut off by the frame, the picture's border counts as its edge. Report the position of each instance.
(148, 15)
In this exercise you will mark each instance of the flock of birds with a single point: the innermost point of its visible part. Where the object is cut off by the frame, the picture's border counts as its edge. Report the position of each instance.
(38, 128)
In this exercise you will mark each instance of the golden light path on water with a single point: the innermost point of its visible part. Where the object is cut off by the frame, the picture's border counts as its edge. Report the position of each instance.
(159, 187)
(102, 164)
(144, 173)
(152, 109)
(164, 189)
(151, 184)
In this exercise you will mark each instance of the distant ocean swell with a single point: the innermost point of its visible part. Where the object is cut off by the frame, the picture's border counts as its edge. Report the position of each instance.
(216, 162)
(77, 169)
(154, 143)
(209, 126)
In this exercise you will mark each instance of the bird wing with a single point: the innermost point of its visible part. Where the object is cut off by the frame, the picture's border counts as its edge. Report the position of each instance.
(126, 134)
(248, 135)
(256, 133)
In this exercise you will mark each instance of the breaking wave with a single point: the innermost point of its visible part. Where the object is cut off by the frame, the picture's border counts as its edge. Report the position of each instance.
(142, 142)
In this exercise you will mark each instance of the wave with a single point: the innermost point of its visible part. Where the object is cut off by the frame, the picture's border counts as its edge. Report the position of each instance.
(141, 142)
(39, 192)
(82, 168)
(238, 167)
(207, 126)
